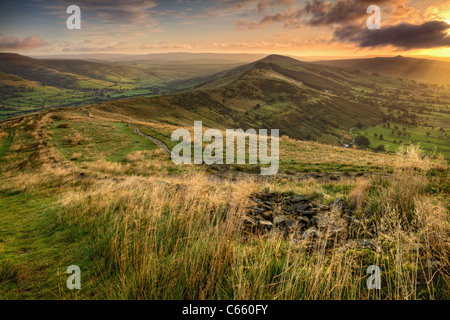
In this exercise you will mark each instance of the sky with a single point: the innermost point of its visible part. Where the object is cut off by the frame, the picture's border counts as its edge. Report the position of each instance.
(294, 27)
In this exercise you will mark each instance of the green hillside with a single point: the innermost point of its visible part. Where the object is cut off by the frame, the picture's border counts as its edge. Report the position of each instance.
(28, 84)
(303, 100)
(306, 101)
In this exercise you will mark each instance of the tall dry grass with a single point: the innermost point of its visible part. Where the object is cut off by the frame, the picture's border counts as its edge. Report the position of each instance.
(180, 238)
(411, 223)
(164, 240)
(169, 237)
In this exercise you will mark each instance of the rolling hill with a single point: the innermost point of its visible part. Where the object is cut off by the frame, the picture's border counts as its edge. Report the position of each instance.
(67, 73)
(303, 100)
(28, 84)
(74, 73)
(420, 70)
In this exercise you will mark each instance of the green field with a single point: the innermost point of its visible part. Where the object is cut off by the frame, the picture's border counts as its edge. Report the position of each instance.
(432, 144)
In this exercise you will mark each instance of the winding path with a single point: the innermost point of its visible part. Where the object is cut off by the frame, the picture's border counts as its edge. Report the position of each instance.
(159, 143)
(353, 142)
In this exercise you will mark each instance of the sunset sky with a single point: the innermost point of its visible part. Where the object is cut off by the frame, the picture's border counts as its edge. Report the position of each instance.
(295, 27)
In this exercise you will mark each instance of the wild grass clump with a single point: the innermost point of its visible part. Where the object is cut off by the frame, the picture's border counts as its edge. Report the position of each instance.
(178, 238)
(163, 240)
(76, 139)
(397, 192)
(181, 239)
(411, 227)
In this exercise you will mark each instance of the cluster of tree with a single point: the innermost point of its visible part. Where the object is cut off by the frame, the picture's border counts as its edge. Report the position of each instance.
(379, 136)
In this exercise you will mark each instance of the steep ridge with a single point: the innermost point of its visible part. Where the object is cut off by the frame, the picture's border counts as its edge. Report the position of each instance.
(303, 100)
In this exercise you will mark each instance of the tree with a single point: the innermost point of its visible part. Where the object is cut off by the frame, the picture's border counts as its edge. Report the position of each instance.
(362, 141)
(381, 148)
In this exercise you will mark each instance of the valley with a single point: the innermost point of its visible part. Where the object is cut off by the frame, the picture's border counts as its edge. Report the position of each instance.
(304, 100)
(28, 84)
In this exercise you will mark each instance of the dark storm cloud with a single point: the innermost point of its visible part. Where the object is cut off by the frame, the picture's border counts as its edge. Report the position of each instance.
(349, 17)
(431, 34)
(320, 13)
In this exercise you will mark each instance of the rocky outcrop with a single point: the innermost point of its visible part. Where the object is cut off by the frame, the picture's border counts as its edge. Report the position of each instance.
(297, 218)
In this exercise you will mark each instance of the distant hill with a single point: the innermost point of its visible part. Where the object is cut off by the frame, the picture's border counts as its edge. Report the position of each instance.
(160, 57)
(74, 73)
(312, 101)
(420, 70)
(64, 73)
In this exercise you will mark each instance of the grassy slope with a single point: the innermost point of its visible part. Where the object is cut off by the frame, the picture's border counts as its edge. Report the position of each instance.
(152, 230)
(304, 100)
(35, 248)
(141, 227)
(291, 95)
(28, 84)
(89, 141)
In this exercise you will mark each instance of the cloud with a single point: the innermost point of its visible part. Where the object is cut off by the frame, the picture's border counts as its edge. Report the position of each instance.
(290, 17)
(164, 45)
(324, 13)
(431, 34)
(319, 12)
(348, 19)
(90, 46)
(263, 5)
(10, 43)
(111, 11)
(234, 7)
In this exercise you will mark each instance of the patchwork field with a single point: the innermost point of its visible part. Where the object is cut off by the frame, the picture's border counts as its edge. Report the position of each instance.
(430, 139)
